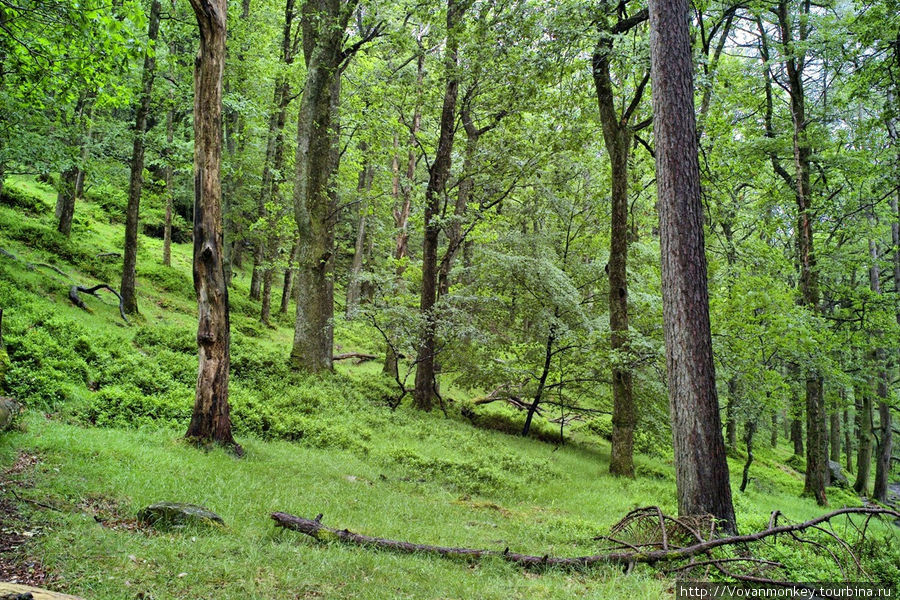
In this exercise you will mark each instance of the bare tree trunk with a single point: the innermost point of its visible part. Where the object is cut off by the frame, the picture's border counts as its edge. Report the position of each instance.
(797, 435)
(211, 419)
(884, 447)
(749, 431)
(730, 416)
(440, 172)
(265, 313)
(701, 470)
(132, 213)
(542, 381)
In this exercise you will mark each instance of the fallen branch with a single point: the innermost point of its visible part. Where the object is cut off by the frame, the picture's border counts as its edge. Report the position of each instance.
(77, 301)
(361, 356)
(315, 529)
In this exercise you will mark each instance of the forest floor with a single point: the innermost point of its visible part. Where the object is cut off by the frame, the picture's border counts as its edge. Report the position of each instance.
(108, 404)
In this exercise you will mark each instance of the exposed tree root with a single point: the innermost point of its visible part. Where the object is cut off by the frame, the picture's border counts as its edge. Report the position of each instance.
(77, 301)
(360, 357)
(661, 547)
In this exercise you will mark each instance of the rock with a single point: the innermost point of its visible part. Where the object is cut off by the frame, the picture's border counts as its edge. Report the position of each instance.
(164, 515)
(9, 410)
(838, 479)
(15, 590)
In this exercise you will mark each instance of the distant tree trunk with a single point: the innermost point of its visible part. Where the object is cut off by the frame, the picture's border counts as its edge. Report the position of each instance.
(835, 442)
(323, 23)
(749, 431)
(617, 136)
(864, 447)
(542, 380)
(848, 447)
(701, 469)
(440, 172)
(730, 416)
(363, 186)
(265, 313)
(211, 419)
(129, 266)
(170, 186)
(884, 447)
(797, 435)
(773, 441)
(289, 274)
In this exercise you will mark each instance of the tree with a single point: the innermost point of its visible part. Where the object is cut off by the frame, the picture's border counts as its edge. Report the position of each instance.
(211, 419)
(701, 471)
(129, 301)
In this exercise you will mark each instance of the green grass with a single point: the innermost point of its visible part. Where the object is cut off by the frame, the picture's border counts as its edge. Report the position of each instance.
(109, 403)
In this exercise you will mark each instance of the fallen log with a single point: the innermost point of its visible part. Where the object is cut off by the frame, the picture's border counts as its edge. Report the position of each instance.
(360, 356)
(16, 590)
(315, 529)
(77, 301)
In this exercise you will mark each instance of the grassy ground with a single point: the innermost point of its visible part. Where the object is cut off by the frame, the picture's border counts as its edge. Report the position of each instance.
(109, 403)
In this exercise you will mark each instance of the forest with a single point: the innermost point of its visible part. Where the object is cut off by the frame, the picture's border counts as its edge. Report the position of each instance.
(488, 298)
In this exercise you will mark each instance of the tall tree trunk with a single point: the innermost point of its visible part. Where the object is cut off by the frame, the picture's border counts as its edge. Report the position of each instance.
(797, 434)
(884, 447)
(65, 199)
(773, 442)
(71, 180)
(440, 172)
(132, 213)
(701, 469)
(730, 414)
(795, 62)
(211, 419)
(324, 23)
(617, 135)
(749, 431)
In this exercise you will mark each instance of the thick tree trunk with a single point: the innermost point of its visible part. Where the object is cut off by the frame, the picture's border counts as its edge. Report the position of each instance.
(701, 469)
(129, 266)
(440, 172)
(211, 419)
(71, 182)
(324, 23)
(65, 199)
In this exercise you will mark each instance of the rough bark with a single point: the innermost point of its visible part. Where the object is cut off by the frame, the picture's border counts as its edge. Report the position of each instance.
(136, 181)
(211, 419)
(440, 172)
(323, 24)
(701, 470)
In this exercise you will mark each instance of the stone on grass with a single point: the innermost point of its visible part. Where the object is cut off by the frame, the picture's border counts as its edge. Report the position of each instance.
(9, 409)
(165, 515)
(838, 479)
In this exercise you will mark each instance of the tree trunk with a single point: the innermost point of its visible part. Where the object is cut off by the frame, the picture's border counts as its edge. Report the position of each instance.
(617, 136)
(440, 172)
(701, 470)
(730, 416)
(749, 431)
(363, 186)
(211, 420)
(885, 439)
(265, 312)
(542, 381)
(132, 213)
(797, 435)
(170, 183)
(289, 274)
(864, 448)
(794, 61)
(835, 442)
(848, 447)
(71, 182)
